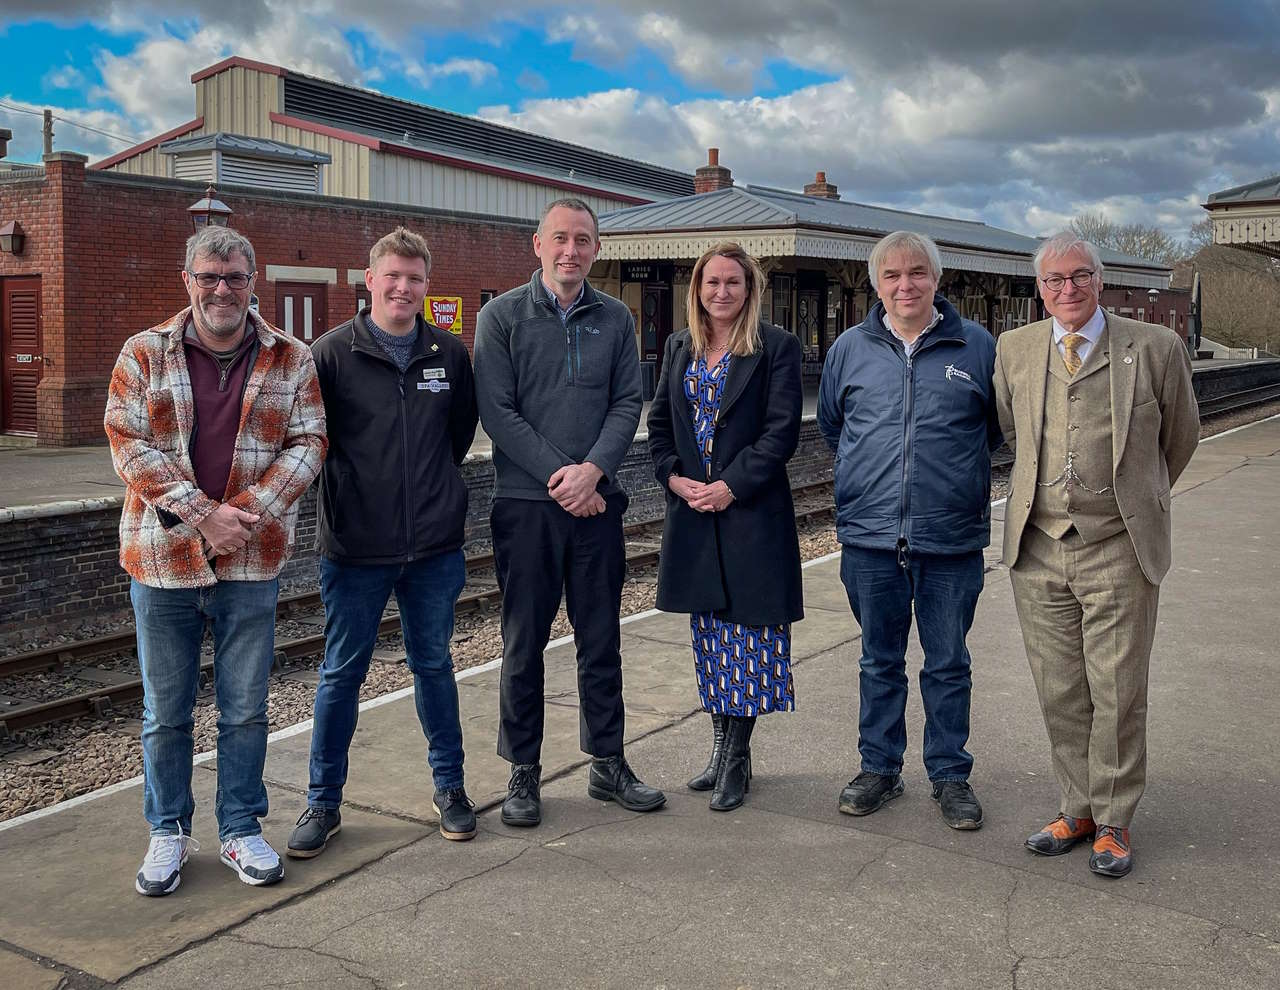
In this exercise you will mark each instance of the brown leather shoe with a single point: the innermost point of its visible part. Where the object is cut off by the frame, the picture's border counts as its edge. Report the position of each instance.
(1112, 856)
(1060, 835)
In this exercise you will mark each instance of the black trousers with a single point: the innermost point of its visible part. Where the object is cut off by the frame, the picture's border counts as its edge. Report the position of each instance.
(540, 552)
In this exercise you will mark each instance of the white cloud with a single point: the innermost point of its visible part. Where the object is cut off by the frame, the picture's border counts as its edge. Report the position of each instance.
(476, 70)
(26, 120)
(64, 77)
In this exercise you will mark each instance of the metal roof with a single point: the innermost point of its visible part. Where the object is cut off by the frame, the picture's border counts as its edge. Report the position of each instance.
(1262, 191)
(248, 147)
(762, 207)
(367, 112)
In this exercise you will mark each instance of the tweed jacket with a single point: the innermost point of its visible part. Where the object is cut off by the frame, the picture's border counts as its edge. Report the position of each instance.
(279, 448)
(1155, 427)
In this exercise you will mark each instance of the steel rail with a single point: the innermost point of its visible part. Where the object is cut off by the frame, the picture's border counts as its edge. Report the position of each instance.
(99, 701)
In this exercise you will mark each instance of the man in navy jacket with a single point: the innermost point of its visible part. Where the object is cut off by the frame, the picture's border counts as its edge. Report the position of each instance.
(906, 403)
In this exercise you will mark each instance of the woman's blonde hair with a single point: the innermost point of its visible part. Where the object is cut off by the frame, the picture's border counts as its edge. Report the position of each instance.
(744, 337)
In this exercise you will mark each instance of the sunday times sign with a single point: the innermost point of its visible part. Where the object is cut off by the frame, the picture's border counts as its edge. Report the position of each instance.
(444, 311)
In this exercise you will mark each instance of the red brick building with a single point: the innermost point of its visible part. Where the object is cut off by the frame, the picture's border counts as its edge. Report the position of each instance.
(102, 256)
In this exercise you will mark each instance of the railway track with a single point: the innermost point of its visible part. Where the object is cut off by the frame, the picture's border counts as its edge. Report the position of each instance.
(1243, 399)
(17, 714)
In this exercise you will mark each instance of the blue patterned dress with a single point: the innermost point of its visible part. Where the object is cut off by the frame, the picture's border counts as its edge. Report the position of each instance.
(742, 669)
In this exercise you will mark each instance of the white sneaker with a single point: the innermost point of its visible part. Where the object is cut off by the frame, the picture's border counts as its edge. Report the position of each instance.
(161, 871)
(254, 861)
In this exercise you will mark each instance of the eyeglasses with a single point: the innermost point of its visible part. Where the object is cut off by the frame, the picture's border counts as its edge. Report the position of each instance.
(210, 280)
(1055, 283)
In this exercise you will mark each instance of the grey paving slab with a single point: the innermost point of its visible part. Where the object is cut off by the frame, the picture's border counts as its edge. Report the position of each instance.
(75, 872)
(786, 891)
(20, 973)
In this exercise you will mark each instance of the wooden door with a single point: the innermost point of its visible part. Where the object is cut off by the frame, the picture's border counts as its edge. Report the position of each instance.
(301, 309)
(21, 352)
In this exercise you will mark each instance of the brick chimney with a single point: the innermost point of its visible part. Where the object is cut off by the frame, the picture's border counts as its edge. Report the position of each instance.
(713, 175)
(821, 188)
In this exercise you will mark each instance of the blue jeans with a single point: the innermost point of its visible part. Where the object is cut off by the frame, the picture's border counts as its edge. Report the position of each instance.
(354, 597)
(944, 590)
(170, 623)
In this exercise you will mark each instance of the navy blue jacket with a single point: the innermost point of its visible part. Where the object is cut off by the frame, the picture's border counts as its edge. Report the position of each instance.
(913, 438)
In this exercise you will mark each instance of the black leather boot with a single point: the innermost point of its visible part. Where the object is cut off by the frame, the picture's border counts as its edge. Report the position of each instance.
(707, 779)
(612, 779)
(733, 780)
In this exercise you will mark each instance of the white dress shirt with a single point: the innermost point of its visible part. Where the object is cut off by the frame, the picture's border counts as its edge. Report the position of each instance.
(1091, 331)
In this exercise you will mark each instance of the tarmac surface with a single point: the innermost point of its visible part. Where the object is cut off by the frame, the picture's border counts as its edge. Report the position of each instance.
(783, 892)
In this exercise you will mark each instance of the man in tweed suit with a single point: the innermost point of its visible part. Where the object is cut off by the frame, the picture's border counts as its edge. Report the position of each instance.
(1101, 416)
(216, 426)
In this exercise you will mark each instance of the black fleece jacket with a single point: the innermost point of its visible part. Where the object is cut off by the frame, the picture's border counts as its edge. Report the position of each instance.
(390, 490)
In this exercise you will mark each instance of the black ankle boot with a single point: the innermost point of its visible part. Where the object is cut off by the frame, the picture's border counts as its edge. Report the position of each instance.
(733, 780)
(707, 779)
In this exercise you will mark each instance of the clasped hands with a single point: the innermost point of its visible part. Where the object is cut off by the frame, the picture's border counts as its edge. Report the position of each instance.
(702, 497)
(225, 530)
(574, 487)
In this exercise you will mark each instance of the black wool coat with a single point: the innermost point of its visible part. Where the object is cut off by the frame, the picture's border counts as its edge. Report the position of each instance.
(743, 563)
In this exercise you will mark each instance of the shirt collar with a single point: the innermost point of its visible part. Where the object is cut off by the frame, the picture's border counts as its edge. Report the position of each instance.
(937, 318)
(1091, 331)
(564, 311)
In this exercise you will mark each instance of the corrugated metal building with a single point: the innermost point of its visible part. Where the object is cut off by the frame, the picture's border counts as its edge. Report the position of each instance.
(391, 151)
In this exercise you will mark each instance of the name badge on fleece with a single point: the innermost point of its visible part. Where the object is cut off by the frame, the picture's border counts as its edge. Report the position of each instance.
(435, 385)
(432, 372)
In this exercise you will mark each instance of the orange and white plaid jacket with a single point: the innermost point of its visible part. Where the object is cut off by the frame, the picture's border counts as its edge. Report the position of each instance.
(280, 446)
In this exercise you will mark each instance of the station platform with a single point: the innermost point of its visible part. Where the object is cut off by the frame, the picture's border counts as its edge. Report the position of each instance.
(79, 478)
(783, 892)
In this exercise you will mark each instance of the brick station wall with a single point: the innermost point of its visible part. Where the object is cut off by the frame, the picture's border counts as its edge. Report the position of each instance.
(61, 570)
(109, 248)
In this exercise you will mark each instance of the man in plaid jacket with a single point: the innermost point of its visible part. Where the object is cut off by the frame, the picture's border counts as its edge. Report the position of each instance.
(216, 426)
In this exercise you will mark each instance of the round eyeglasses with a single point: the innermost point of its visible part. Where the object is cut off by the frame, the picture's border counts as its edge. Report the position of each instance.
(1054, 283)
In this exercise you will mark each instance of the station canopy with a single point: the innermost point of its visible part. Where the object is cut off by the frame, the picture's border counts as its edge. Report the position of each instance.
(1248, 216)
(771, 223)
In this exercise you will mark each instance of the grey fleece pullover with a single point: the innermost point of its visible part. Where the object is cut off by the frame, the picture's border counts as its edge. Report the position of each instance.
(552, 394)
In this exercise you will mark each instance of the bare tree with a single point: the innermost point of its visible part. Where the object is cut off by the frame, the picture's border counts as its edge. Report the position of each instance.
(1136, 239)
(1200, 235)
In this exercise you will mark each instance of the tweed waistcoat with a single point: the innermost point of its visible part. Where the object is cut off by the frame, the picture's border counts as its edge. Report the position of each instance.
(1076, 466)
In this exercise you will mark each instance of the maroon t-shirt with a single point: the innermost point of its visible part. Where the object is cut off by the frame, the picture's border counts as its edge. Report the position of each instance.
(217, 386)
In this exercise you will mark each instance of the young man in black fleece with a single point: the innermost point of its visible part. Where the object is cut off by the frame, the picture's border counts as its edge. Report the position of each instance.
(558, 384)
(392, 514)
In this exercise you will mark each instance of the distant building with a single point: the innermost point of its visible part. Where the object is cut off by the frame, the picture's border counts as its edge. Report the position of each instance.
(1248, 216)
(814, 246)
(314, 172)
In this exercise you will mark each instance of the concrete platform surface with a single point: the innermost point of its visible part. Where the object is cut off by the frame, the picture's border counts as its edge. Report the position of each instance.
(784, 892)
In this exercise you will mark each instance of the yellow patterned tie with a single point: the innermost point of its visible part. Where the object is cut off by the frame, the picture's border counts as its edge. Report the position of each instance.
(1070, 353)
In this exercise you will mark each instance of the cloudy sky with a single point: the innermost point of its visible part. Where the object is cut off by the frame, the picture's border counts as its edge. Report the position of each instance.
(1021, 114)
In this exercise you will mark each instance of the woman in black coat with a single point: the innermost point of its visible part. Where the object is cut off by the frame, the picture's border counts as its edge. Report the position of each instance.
(722, 426)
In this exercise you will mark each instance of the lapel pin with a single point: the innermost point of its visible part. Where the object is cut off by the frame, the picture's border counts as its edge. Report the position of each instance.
(435, 347)
(1128, 359)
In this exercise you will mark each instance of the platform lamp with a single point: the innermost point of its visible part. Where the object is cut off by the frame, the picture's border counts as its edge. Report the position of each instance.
(1152, 295)
(210, 211)
(12, 238)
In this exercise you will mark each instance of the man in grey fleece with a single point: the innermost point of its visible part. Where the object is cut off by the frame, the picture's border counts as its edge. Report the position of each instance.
(558, 386)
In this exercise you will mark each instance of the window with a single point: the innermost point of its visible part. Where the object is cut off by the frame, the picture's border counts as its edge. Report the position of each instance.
(1173, 319)
(485, 296)
(781, 314)
(363, 299)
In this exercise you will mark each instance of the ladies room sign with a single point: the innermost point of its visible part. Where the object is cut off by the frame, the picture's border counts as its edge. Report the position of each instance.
(444, 311)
